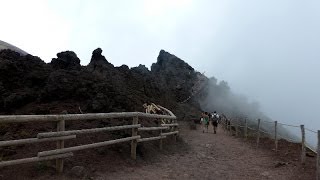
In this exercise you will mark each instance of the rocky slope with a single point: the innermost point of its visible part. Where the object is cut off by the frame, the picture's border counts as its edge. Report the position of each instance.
(4, 45)
(30, 86)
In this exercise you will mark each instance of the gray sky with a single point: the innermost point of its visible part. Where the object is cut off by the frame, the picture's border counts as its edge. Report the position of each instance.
(267, 50)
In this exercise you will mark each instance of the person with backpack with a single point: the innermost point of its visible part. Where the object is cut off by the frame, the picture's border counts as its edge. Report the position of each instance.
(215, 120)
(205, 121)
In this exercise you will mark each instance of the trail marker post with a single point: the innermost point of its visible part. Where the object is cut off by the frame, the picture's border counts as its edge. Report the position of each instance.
(258, 132)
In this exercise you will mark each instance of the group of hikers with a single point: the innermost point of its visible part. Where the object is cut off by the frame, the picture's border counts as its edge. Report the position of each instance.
(206, 118)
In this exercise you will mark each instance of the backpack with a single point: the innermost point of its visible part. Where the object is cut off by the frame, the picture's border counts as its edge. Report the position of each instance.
(215, 118)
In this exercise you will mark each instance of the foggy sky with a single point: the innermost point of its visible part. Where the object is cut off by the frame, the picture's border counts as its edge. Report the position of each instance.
(266, 50)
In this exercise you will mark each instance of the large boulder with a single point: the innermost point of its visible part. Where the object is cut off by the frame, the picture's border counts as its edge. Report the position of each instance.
(66, 60)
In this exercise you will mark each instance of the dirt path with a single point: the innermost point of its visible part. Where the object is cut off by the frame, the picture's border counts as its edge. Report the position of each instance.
(211, 156)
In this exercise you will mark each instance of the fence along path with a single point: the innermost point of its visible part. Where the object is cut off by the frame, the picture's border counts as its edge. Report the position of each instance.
(234, 125)
(61, 135)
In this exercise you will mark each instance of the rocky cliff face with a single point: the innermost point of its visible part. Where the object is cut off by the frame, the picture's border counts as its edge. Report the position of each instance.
(30, 86)
(178, 76)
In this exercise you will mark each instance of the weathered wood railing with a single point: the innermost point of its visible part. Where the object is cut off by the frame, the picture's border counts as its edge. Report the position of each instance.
(234, 125)
(62, 134)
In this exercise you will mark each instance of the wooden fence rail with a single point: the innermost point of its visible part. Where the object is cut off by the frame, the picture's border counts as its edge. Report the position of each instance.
(85, 131)
(78, 117)
(230, 125)
(62, 134)
(152, 128)
(34, 140)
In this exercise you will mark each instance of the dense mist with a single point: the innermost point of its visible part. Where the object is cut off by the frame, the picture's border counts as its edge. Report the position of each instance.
(237, 107)
(221, 99)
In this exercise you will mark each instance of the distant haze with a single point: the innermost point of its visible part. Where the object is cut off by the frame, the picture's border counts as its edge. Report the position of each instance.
(266, 50)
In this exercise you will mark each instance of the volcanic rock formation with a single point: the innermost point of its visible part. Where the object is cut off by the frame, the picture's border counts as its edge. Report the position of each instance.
(28, 85)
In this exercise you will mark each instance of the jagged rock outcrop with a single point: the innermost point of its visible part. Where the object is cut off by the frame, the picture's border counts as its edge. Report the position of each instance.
(98, 62)
(30, 86)
(66, 60)
(177, 75)
(142, 69)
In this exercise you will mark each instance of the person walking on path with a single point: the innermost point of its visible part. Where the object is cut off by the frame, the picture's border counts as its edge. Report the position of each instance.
(205, 121)
(215, 120)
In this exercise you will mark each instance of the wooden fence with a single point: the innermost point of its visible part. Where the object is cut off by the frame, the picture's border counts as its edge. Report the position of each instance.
(232, 125)
(61, 135)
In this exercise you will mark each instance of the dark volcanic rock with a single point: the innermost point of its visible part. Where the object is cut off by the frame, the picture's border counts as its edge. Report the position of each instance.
(9, 54)
(97, 55)
(77, 171)
(21, 79)
(30, 86)
(66, 60)
(141, 69)
(170, 63)
(98, 61)
(176, 74)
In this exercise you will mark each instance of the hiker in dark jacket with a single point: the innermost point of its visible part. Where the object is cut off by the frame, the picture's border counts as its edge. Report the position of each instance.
(215, 120)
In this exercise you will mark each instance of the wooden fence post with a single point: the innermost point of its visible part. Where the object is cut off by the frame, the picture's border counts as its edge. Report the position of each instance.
(258, 132)
(230, 131)
(174, 129)
(225, 124)
(161, 140)
(276, 135)
(236, 128)
(134, 142)
(228, 124)
(231, 124)
(318, 157)
(60, 145)
(303, 147)
(246, 129)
